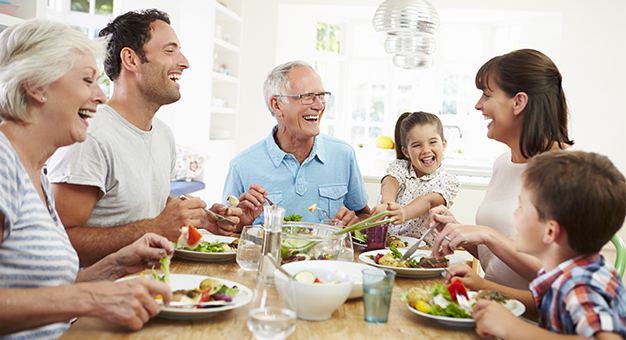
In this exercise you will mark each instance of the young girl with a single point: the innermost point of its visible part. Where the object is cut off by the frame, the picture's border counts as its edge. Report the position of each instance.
(416, 181)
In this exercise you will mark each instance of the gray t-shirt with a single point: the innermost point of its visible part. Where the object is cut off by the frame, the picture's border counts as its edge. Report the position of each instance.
(131, 167)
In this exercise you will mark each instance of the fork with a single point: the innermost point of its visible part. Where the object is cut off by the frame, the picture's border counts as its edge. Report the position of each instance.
(324, 211)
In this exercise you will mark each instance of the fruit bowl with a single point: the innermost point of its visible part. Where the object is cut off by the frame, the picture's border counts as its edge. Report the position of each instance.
(302, 241)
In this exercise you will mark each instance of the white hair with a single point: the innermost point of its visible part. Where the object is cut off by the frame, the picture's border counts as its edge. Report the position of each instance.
(277, 82)
(37, 52)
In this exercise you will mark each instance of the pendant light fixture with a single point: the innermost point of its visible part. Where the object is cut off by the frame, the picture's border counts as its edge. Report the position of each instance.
(410, 26)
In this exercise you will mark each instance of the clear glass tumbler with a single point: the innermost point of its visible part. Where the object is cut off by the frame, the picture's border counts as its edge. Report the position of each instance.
(249, 248)
(377, 287)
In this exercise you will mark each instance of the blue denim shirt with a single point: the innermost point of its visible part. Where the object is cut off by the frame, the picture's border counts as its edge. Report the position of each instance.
(329, 177)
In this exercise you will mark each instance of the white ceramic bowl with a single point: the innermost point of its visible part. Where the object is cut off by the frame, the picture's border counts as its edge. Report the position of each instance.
(351, 268)
(318, 301)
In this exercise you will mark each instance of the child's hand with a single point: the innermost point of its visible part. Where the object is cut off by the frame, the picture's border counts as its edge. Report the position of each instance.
(471, 280)
(379, 208)
(494, 320)
(397, 212)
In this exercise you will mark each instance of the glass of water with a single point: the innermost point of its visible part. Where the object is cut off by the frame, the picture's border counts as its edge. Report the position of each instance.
(249, 248)
(272, 312)
(347, 250)
(377, 286)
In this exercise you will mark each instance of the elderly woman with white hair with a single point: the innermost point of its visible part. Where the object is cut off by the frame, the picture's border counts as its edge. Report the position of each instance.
(48, 89)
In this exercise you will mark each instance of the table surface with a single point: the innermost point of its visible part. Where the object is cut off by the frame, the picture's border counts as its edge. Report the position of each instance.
(346, 322)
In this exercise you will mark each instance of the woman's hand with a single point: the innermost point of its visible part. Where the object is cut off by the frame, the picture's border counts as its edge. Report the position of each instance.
(130, 303)
(442, 215)
(142, 254)
(454, 236)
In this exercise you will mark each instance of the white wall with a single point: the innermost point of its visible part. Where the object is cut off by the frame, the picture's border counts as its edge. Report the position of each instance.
(592, 60)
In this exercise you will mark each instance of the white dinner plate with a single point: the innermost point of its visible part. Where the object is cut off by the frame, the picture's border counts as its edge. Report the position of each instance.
(351, 268)
(411, 272)
(186, 281)
(209, 257)
(518, 310)
(410, 240)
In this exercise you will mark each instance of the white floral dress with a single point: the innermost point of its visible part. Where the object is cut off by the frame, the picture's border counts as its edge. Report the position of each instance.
(411, 187)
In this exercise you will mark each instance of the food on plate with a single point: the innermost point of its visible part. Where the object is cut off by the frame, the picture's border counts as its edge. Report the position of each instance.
(189, 237)
(396, 242)
(293, 218)
(392, 259)
(497, 296)
(441, 300)
(214, 247)
(165, 267)
(209, 290)
(392, 241)
(306, 276)
(233, 201)
(417, 294)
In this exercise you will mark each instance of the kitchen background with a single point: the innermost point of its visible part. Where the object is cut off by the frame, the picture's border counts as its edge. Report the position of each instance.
(232, 44)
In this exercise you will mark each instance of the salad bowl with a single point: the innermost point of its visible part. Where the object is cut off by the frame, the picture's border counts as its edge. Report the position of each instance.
(318, 301)
(302, 241)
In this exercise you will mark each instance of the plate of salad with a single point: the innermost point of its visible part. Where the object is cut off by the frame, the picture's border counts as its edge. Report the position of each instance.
(236, 294)
(437, 303)
(201, 245)
(418, 266)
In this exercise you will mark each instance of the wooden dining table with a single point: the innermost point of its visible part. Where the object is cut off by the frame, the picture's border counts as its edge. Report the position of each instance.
(347, 322)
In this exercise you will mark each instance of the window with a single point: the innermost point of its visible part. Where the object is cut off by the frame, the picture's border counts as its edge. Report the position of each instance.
(88, 17)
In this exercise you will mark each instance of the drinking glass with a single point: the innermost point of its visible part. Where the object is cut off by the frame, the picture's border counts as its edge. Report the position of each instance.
(377, 286)
(377, 237)
(272, 313)
(347, 249)
(249, 248)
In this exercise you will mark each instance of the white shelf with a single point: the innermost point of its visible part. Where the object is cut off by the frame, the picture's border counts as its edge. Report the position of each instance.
(224, 46)
(225, 78)
(219, 8)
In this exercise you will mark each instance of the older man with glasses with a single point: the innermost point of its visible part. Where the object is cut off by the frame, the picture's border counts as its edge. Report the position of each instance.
(296, 166)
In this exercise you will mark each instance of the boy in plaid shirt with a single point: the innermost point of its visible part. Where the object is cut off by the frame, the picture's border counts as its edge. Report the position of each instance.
(571, 204)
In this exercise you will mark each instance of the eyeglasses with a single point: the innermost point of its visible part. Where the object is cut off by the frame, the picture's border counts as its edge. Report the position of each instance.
(308, 98)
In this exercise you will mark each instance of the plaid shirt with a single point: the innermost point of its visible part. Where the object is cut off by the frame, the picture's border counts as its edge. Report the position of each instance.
(583, 296)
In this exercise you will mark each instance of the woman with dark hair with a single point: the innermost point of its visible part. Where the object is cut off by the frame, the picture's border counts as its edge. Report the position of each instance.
(525, 103)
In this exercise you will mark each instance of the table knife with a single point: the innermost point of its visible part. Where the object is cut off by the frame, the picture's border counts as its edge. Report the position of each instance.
(414, 247)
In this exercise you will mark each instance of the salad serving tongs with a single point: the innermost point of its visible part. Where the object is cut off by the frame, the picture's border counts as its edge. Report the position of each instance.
(414, 247)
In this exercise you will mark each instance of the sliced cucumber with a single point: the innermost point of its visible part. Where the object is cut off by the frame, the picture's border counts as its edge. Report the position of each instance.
(305, 276)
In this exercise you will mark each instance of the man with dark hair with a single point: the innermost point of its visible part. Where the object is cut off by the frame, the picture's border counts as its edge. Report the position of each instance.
(113, 188)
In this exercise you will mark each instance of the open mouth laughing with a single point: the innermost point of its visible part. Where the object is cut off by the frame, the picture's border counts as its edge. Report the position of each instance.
(428, 161)
(84, 113)
(311, 118)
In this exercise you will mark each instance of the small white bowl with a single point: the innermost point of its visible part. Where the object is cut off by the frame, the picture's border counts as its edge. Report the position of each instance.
(318, 301)
(351, 268)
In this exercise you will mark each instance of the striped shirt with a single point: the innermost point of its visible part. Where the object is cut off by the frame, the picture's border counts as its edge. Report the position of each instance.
(583, 295)
(35, 250)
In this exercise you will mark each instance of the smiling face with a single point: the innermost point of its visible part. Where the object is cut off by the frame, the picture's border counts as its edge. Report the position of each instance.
(72, 99)
(298, 120)
(530, 228)
(425, 149)
(498, 108)
(165, 65)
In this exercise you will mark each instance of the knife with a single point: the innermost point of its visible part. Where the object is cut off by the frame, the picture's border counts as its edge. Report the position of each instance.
(416, 245)
(215, 216)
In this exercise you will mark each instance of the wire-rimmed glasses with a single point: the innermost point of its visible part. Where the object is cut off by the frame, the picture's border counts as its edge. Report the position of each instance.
(308, 98)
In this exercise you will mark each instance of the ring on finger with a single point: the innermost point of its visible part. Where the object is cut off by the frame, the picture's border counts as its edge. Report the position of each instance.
(447, 238)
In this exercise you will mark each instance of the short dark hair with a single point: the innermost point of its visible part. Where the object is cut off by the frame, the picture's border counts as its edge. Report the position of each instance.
(545, 116)
(406, 122)
(583, 191)
(132, 30)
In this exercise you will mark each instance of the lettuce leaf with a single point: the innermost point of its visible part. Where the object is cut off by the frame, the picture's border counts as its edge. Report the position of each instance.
(165, 267)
